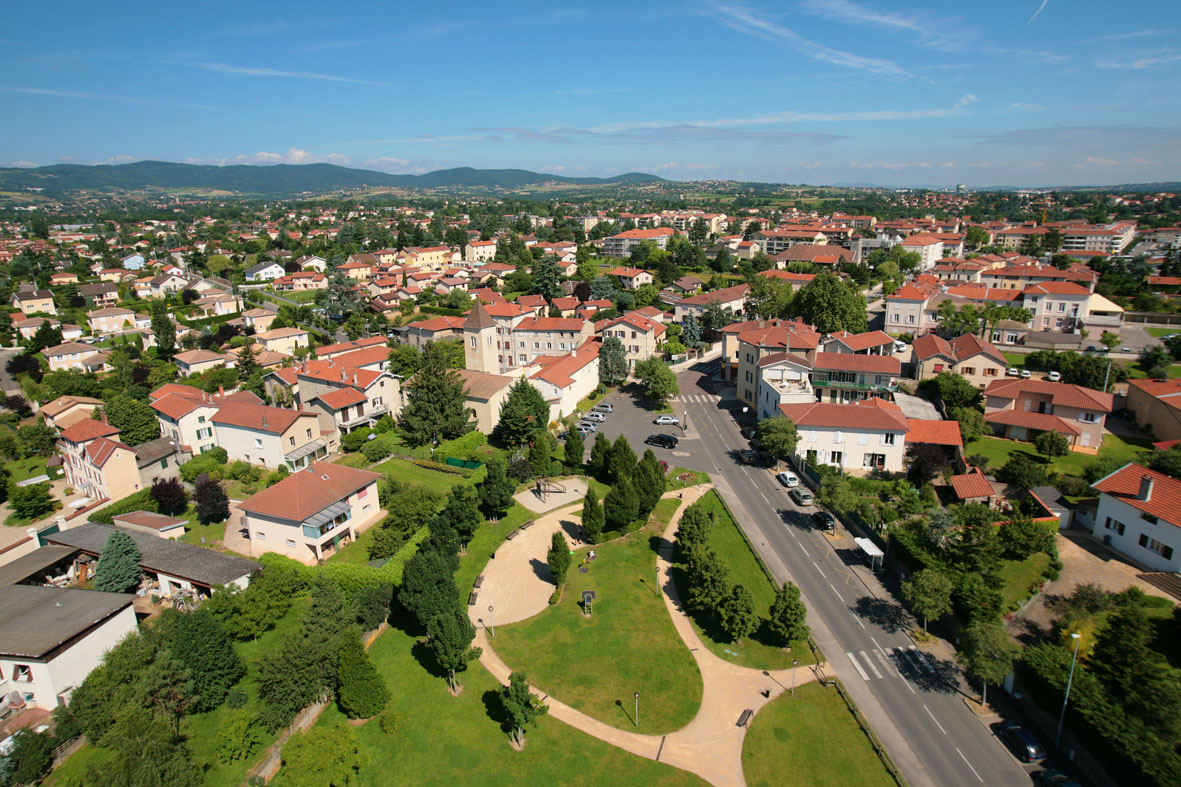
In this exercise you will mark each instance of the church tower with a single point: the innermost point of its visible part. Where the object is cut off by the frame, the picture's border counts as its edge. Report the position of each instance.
(479, 341)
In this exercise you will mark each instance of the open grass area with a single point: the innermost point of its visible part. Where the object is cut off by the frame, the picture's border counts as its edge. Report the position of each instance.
(812, 736)
(299, 296)
(195, 531)
(1019, 576)
(592, 400)
(1161, 333)
(596, 663)
(675, 482)
(24, 469)
(1015, 359)
(448, 740)
(436, 480)
(998, 452)
(746, 570)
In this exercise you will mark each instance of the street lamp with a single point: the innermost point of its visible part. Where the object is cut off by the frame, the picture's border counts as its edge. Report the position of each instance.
(491, 620)
(637, 709)
(1066, 699)
(794, 664)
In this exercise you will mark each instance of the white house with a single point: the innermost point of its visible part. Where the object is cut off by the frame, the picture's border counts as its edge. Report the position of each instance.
(265, 271)
(859, 436)
(1140, 515)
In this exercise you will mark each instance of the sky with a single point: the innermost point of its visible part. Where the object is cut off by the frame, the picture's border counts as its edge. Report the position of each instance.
(1004, 92)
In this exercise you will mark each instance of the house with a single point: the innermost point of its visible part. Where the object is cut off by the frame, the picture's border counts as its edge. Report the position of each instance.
(783, 378)
(731, 299)
(258, 319)
(621, 245)
(1156, 407)
(133, 262)
(928, 246)
(969, 356)
(331, 351)
(848, 377)
(312, 263)
(867, 343)
(777, 241)
(857, 436)
(166, 284)
(432, 330)
(52, 638)
(631, 278)
(100, 293)
(264, 271)
(111, 320)
(974, 487)
(34, 302)
(907, 308)
(1020, 409)
(172, 566)
(640, 336)
(299, 281)
(744, 344)
(796, 280)
(345, 397)
(197, 361)
(534, 337)
(1058, 306)
(1139, 515)
(485, 394)
(219, 304)
(478, 252)
(686, 285)
(65, 411)
(283, 340)
(565, 380)
(159, 459)
(312, 513)
(96, 464)
(27, 327)
(75, 355)
(268, 436)
(184, 414)
(826, 254)
(63, 278)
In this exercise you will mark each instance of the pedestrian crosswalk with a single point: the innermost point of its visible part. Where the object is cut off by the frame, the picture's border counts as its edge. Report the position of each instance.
(879, 663)
(699, 398)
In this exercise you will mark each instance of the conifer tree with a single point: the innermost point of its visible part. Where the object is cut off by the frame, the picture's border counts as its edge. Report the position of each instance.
(118, 565)
(361, 692)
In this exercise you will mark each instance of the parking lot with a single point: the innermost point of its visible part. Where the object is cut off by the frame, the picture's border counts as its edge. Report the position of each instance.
(634, 419)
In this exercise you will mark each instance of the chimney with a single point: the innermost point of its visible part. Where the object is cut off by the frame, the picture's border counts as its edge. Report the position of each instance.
(1146, 484)
(221, 390)
(264, 421)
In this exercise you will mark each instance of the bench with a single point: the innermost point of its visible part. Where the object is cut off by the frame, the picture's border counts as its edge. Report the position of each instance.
(744, 719)
(527, 525)
(471, 600)
(479, 581)
(513, 534)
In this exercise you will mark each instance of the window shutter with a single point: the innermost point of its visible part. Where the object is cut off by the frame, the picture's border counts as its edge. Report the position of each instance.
(1143, 540)
(840, 437)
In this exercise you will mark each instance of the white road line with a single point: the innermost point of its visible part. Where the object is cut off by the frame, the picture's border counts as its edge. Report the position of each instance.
(804, 549)
(819, 569)
(856, 665)
(765, 500)
(872, 667)
(937, 724)
(859, 623)
(965, 759)
(834, 590)
(885, 657)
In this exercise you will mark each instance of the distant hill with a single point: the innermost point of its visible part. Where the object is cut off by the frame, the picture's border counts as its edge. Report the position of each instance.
(274, 180)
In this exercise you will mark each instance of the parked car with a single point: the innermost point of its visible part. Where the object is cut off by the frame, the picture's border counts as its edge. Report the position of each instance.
(592, 416)
(788, 479)
(1053, 778)
(1025, 374)
(1055, 377)
(667, 420)
(586, 427)
(1022, 742)
(603, 407)
(802, 496)
(661, 441)
(900, 346)
(824, 520)
(1013, 371)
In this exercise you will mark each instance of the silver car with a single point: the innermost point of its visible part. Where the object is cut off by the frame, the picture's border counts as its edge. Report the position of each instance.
(595, 417)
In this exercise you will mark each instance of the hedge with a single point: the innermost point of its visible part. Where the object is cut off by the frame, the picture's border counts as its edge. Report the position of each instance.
(140, 501)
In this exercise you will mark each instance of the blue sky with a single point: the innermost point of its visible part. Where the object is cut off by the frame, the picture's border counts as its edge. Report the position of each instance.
(1006, 92)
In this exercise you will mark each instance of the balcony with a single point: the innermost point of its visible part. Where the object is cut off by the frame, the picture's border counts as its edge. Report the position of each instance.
(852, 386)
(364, 418)
(326, 521)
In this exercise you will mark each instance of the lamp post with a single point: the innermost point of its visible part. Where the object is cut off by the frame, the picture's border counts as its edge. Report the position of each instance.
(637, 709)
(1066, 699)
(491, 620)
(794, 664)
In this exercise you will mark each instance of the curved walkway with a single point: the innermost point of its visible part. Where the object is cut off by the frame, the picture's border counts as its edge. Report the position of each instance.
(711, 744)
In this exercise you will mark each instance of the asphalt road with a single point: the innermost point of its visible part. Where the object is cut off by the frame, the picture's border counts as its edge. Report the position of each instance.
(914, 702)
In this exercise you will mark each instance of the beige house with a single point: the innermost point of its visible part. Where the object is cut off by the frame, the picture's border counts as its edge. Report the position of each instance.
(258, 319)
(185, 414)
(485, 395)
(65, 411)
(478, 252)
(269, 436)
(969, 356)
(859, 437)
(1156, 406)
(1056, 306)
(431, 258)
(640, 336)
(730, 298)
(907, 309)
(75, 355)
(197, 361)
(631, 278)
(313, 512)
(1022, 409)
(283, 340)
(219, 304)
(34, 301)
(534, 337)
(97, 465)
(115, 319)
(565, 380)
(756, 339)
(299, 281)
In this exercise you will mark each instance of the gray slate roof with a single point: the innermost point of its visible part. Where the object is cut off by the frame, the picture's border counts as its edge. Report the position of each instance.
(34, 620)
(175, 558)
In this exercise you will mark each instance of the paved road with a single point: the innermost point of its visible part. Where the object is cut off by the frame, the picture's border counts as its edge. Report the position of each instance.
(912, 700)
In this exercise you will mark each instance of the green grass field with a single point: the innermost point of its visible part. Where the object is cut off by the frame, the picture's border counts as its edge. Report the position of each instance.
(629, 644)
(1161, 333)
(437, 481)
(998, 452)
(810, 738)
(1019, 575)
(745, 569)
(24, 469)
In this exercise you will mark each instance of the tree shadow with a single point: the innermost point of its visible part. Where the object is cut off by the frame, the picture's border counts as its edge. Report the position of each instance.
(494, 707)
(541, 569)
(426, 659)
(886, 614)
(939, 676)
(573, 530)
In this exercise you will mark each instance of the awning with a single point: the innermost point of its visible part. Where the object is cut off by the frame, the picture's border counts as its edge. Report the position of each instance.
(326, 515)
(307, 449)
(868, 547)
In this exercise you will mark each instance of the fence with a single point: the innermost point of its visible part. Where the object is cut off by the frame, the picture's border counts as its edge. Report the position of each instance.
(878, 749)
(273, 759)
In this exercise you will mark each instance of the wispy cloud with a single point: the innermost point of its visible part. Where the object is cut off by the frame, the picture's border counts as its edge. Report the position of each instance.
(900, 165)
(226, 68)
(943, 34)
(1085, 137)
(743, 21)
(87, 96)
(293, 155)
(270, 27)
(1146, 60)
(1147, 33)
(417, 140)
(1038, 12)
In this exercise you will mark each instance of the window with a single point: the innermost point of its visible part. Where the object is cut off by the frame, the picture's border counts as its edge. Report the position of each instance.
(836, 458)
(309, 433)
(1112, 524)
(200, 419)
(205, 434)
(1088, 418)
(839, 437)
(968, 370)
(1148, 543)
(291, 440)
(258, 442)
(1149, 518)
(910, 319)
(991, 372)
(290, 542)
(22, 673)
(888, 438)
(261, 536)
(163, 464)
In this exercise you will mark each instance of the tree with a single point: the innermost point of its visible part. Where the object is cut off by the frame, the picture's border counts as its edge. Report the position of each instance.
(200, 642)
(573, 450)
(247, 359)
(428, 587)
(238, 736)
(599, 456)
(496, 490)
(694, 528)
(461, 512)
(37, 438)
(520, 706)
(976, 237)
(691, 330)
(30, 502)
(547, 279)
(523, 414)
(405, 360)
(1022, 471)
(1110, 340)
(27, 364)
(1167, 462)
(649, 482)
(971, 421)
(709, 580)
(738, 616)
(450, 636)
(658, 380)
(164, 329)
(621, 506)
(925, 461)
(988, 653)
(955, 391)
(47, 335)
(788, 614)
(361, 692)
(170, 496)
(210, 500)
(928, 593)
(830, 306)
(777, 436)
(612, 362)
(558, 558)
(30, 759)
(146, 751)
(621, 461)
(1051, 444)
(593, 518)
(134, 418)
(436, 401)
(323, 756)
(118, 566)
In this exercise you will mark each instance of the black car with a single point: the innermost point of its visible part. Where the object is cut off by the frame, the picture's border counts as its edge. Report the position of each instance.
(1022, 742)
(824, 521)
(662, 441)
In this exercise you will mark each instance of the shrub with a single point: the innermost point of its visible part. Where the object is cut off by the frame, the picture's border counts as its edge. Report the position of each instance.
(390, 722)
(376, 450)
(464, 447)
(140, 501)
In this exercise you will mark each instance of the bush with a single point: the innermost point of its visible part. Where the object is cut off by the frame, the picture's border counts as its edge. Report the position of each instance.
(236, 699)
(355, 440)
(464, 447)
(390, 722)
(238, 736)
(140, 501)
(376, 450)
(211, 463)
(1072, 485)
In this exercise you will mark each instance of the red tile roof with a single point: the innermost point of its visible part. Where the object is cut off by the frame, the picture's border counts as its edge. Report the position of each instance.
(1124, 485)
(327, 352)
(342, 397)
(1043, 422)
(862, 341)
(727, 295)
(876, 364)
(260, 417)
(934, 432)
(1060, 393)
(88, 430)
(866, 414)
(970, 345)
(972, 485)
(929, 345)
(100, 450)
(307, 492)
(1167, 391)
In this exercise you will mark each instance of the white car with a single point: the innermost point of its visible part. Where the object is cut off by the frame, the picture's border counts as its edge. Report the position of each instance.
(667, 420)
(900, 346)
(1025, 374)
(1013, 372)
(1055, 377)
(788, 479)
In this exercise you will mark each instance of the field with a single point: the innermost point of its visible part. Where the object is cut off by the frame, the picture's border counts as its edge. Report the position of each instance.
(998, 452)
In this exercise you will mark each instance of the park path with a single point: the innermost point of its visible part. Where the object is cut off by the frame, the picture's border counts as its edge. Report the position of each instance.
(711, 744)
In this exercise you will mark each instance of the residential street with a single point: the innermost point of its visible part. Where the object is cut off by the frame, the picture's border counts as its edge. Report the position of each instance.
(914, 701)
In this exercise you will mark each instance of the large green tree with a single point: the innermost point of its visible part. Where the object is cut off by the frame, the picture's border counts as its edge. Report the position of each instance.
(201, 644)
(361, 692)
(777, 436)
(134, 418)
(323, 757)
(118, 566)
(737, 613)
(558, 558)
(450, 635)
(210, 500)
(988, 653)
(436, 407)
(523, 414)
(593, 518)
(573, 450)
(830, 306)
(428, 587)
(649, 482)
(164, 329)
(612, 362)
(496, 490)
(621, 506)
(928, 593)
(787, 617)
(520, 706)
(659, 381)
(547, 279)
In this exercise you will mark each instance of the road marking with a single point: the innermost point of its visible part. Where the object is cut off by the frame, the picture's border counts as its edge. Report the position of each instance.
(872, 667)
(856, 665)
(765, 500)
(834, 590)
(921, 658)
(965, 759)
(804, 549)
(818, 569)
(885, 657)
(859, 623)
(937, 724)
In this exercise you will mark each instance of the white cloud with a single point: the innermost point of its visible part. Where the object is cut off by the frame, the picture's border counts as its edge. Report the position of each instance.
(42, 91)
(1038, 12)
(226, 68)
(293, 155)
(933, 32)
(122, 158)
(1147, 60)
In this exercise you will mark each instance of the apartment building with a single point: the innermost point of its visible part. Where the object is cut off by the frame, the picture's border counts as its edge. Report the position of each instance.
(1056, 306)
(850, 377)
(641, 337)
(756, 339)
(859, 437)
(96, 464)
(621, 245)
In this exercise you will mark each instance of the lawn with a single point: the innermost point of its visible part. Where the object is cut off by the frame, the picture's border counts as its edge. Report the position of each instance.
(593, 399)
(629, 644)
(674, 481)
(299, 296)
(998, 452)
(1161, 333)
(1019, 576)
(448, 740)
(436, 480)
(195, 531)
(746, 570)
(1015, 359)
(812, 736)
(24, 469)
